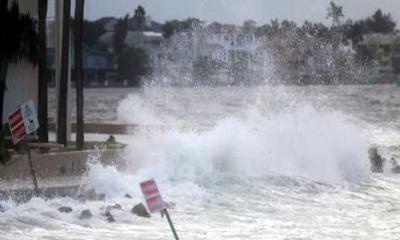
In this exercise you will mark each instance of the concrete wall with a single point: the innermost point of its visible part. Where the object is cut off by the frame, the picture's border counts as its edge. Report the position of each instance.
(22, 85)
(59, 164)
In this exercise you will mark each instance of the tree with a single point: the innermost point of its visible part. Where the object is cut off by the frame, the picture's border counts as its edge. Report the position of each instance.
(93, 30)
(78, 27)
(42, 56)
(120, 31)
(174, 26)
(18, 41)
(335, 12)
(380, 23)
(132, 64)
(139, 18)
(63, 88)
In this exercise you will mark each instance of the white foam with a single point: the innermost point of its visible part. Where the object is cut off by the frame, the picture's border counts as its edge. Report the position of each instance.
(300, 142)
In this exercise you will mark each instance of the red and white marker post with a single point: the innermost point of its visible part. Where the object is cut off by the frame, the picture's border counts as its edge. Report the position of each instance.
(154, 201)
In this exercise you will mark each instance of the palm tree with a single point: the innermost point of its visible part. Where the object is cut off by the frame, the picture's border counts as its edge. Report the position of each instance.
(18, 41)
(63, 88)
(78, 26)
(139, 18)
(335, 12)
(42, 94)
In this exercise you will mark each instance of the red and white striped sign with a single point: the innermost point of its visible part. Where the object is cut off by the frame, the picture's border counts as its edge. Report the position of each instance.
(152, 196)
(17, 126)
(23, 121)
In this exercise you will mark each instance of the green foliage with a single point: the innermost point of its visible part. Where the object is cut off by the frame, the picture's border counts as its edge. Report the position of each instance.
(132, 64)
(92, 31)
(139, 18)
(18, 37)
(380, 23)
(174, 26)
(335, 12)
(120, 31)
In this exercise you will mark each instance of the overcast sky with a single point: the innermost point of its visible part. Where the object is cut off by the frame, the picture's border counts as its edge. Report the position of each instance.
(236, 11)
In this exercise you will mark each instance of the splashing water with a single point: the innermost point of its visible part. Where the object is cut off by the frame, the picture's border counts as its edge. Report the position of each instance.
(238, 162)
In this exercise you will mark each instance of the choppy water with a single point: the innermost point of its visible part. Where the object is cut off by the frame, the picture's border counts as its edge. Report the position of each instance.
(239, 163)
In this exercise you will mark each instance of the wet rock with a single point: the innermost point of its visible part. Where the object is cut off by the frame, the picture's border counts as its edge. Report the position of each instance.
(114, 207)
(111, 140)
(65, 209)
(376, 160)
(85, 214)
(2, 209)
(395, 166)
(109, 216)
(140, 210)
(127, 195)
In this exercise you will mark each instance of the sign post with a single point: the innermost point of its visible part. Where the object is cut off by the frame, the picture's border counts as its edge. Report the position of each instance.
(155, 203)
(23, 122)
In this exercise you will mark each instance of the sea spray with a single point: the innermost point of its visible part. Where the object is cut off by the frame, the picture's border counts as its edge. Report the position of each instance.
(302, 142)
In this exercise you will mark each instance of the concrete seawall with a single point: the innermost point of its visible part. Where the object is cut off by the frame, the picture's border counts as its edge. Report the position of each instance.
(59, 174)
(57, 164)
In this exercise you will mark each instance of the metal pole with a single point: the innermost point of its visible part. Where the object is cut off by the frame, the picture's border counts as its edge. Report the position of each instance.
(33, 172)
(171, 224)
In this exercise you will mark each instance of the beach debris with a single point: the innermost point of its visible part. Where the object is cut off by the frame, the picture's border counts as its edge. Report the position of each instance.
(85, 214)
(395, 166)
(65, 209)
(140, 210)
(376, 160)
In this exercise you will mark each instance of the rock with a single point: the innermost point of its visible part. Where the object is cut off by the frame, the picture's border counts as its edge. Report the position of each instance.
(140, 210)
(85, 214)
(128, 196)
(111, 140)
(109, 216)
(2, 209)
(65, 209)
(376, 160)
(114, 207)
(395, 166)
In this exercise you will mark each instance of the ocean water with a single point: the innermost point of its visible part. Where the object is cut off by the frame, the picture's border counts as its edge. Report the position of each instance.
(280, 162)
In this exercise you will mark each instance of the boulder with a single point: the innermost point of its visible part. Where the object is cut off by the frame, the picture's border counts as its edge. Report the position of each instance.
(395, 166)
(376, 160)
(110, 218)
(65, 209)
(140, 210)
(85, 214)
